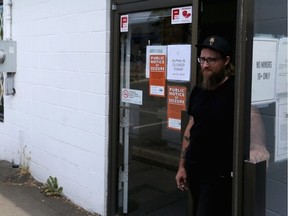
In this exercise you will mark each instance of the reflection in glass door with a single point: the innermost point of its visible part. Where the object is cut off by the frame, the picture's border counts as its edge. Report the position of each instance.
(270, 96)
(151, 101)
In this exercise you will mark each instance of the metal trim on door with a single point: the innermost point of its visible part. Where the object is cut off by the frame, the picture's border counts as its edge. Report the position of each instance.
(244, 39)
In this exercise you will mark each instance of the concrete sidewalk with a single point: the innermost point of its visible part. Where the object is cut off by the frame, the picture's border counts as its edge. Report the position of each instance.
(20, 195)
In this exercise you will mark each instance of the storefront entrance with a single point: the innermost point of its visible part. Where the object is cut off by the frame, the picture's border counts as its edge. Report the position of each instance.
(155, 74)
(150, 109)
(154, 68)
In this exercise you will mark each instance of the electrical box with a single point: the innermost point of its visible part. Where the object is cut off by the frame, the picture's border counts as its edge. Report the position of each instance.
(8, 64)
(7, 56)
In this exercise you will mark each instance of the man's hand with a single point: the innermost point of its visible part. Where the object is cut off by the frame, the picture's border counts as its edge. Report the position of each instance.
(258, 153)
(181, 179)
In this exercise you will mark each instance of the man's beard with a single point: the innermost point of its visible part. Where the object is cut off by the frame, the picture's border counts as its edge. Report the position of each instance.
(213, 80)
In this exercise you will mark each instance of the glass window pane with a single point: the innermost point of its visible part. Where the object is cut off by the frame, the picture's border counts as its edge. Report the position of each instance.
(269, 100)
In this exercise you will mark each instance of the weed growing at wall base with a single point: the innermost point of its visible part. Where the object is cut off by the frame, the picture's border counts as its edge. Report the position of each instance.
(51, 188)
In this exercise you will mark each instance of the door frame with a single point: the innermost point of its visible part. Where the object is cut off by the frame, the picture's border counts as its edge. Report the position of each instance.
(243, 59)
(115, 154)
(243, 83)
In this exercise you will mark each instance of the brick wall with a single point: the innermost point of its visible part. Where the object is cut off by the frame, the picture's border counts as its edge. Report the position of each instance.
(57, 123)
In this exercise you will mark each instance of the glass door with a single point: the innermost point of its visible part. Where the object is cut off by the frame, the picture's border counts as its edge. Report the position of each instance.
(155, 62)
(269, 99)
(262, 93)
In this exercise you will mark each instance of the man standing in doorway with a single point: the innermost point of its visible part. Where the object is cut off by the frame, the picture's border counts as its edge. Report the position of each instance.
(207, 148)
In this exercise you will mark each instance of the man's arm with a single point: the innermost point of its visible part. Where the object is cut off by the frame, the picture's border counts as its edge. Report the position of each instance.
(181, 174)
(258, 151)
(186, 141)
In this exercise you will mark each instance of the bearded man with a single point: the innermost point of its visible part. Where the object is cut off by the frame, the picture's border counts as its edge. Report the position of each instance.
(206, 162)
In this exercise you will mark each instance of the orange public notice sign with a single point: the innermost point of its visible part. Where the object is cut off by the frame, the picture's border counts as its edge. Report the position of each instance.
(176, 102)
(157, 80)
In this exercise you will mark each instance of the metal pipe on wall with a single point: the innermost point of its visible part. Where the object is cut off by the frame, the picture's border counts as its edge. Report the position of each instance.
(7, 17)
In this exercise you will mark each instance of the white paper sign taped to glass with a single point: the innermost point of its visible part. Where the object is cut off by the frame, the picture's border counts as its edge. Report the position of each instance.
(281, 147)
(282, 69)
(178, 62)
(132, 96)
(181, 15)
(264, 70)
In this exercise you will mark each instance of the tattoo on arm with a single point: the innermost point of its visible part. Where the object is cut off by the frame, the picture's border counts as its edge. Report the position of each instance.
(183, 153)
(187, 138)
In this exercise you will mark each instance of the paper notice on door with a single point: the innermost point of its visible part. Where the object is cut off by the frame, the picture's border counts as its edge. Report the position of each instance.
(181, 15)
(178, 62)
(157, 70)
(124, 23)
(132, 96)
(175, 104)
(153, 50)
(281, 145)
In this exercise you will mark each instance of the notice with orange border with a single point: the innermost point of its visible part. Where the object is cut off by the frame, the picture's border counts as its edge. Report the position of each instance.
(176, 102)
(157, 80)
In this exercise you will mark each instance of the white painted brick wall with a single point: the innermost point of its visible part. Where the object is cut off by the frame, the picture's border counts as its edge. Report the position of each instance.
(57, 123)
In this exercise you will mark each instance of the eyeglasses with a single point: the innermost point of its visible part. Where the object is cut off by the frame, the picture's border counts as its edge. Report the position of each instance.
(209, 61)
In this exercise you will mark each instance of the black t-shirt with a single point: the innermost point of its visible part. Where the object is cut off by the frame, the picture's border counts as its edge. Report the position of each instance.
(211, 137)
